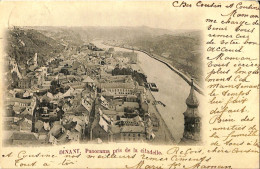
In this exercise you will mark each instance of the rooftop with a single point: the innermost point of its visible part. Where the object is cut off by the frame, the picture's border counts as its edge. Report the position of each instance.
(23, 136)
(132, 129)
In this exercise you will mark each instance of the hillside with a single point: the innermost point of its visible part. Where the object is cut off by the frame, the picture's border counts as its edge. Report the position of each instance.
(64, 35)
(116, 33)
(180, 48)
(183, 51)
(24, 43)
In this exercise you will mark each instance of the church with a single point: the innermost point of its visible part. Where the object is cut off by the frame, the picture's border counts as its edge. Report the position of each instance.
(192, 120)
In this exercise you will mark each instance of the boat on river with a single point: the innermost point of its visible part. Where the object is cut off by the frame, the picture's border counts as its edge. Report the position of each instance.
(153, 87)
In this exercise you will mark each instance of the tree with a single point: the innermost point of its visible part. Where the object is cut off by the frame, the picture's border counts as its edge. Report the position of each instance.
(15, 79)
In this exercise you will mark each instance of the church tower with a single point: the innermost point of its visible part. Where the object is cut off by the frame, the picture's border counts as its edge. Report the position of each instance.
(35, 60)
(191, 117)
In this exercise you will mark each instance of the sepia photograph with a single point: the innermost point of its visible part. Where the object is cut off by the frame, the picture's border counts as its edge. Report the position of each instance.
(129, 84)
(102, 78)
(102, 84)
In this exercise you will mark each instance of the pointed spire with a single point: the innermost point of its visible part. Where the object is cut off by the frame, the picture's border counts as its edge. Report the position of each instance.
(192, 100)
(191, 117)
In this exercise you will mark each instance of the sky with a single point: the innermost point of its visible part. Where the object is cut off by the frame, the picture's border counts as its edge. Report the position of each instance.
(156, 14)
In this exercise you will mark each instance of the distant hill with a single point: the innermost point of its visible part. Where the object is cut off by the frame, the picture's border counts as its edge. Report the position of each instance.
(181, 49)
(118, 33)
(177, 46)
(64, 35)
(107, 33)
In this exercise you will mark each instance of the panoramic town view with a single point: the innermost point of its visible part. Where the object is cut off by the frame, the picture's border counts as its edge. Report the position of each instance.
(102, 85)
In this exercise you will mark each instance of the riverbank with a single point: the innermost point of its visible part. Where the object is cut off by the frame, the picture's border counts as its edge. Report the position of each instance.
(173, 92)
(182, 75)
(163, 134)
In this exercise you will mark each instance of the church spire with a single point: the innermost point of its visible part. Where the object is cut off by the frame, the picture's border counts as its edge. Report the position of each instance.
(35, 60)
(192, 100)
(191, 117)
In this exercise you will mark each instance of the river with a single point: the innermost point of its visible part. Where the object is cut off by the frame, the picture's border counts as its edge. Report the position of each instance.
(173, 90)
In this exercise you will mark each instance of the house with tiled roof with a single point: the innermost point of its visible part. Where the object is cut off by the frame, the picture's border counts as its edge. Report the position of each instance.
(38, 125)
(28, 111)
(84, 107)
(24, 83)
(132, 133)
(56, 129)
(135, 121)
(23, 138)
(118, 89)
(115, 115)
(73, 135)
(101, 128)
(104, 102)
(21, 102)
(87, 79)
(128, 105)
(25, 125)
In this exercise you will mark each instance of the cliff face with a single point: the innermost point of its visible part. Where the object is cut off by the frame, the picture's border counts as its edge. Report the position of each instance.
(24, 43)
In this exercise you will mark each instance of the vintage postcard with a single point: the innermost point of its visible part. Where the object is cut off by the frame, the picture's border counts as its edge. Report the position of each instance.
(129, 84)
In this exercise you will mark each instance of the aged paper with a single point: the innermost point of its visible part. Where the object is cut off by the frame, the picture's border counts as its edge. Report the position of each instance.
(129, 84)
